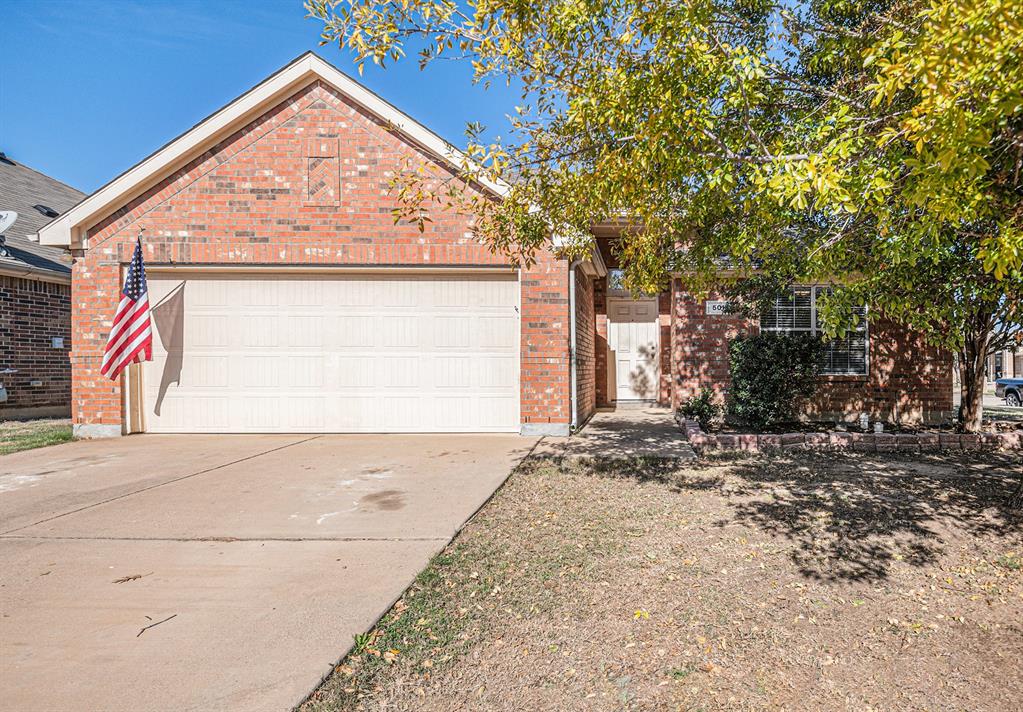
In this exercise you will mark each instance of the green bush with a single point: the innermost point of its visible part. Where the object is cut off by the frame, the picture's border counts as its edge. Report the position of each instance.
(770, 373)
(702, 408)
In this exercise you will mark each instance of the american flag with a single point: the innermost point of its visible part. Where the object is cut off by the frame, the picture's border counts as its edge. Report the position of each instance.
(131, 336)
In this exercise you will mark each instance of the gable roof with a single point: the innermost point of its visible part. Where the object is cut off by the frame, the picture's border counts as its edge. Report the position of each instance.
(21, 190)
(70, 228)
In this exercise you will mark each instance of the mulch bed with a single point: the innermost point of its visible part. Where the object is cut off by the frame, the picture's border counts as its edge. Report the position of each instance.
(799, 581)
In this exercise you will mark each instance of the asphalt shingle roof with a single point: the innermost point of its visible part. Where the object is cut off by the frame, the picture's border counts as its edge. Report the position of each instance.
(21, 189)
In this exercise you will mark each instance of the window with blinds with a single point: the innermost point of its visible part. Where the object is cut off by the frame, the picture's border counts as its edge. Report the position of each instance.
(796, 311)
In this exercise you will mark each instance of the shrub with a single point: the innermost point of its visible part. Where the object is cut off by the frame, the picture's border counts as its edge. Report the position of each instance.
(770, 373)
(702, 408)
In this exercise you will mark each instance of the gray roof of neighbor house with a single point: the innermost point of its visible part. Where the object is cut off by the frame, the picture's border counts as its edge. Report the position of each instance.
(37, 199)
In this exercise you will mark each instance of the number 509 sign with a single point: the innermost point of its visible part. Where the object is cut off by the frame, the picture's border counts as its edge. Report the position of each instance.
(716, 308)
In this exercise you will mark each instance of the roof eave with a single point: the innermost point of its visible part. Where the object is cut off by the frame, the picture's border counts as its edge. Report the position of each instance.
(37, 273)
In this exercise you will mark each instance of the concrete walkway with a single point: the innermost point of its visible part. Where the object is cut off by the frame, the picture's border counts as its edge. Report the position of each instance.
(255, 559)
(622, 434)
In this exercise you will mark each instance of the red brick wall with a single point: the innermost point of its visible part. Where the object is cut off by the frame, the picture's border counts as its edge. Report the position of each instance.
(600, 341)
(31, 314)
(545, 366)
(908, 381)
(664, 321)
(699, 346)
(585, 323)
(306, 183)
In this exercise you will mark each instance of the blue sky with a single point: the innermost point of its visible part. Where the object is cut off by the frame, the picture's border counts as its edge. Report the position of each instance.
(89, 88)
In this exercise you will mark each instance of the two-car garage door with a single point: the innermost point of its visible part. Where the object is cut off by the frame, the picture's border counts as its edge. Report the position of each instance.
(353, 352)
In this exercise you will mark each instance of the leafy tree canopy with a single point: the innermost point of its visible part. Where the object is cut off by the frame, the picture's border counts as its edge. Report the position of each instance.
(878, 143)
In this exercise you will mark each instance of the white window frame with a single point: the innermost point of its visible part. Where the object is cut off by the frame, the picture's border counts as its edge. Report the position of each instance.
(815, 330)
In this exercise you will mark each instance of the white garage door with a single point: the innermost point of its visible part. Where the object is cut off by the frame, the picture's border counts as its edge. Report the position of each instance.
(267, 352)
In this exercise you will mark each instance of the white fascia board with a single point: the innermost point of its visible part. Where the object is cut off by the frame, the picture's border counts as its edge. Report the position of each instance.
(57, 232)
(69, 229)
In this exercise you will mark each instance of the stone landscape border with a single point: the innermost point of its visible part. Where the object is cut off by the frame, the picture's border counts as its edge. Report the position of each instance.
(862, 442)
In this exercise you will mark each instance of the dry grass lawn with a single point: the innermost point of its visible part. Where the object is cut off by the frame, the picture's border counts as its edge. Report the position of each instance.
(805, 582)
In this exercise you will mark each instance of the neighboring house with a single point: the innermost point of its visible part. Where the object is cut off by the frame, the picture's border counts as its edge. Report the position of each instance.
(1006, 363)
(35, 296)
(287, 300)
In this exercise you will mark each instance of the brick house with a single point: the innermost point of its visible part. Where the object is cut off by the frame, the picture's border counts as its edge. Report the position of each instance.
(286, 299)
(35, 296)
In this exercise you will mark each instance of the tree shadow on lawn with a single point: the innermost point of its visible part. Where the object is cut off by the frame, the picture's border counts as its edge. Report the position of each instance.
(851, 516)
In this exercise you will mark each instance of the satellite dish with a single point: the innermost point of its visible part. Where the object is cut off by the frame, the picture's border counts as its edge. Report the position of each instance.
(7, 218)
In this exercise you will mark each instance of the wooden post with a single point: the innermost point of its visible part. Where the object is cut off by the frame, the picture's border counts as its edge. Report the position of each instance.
(136, 399)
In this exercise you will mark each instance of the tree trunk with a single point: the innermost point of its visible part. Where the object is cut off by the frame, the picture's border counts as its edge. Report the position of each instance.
(973, 361)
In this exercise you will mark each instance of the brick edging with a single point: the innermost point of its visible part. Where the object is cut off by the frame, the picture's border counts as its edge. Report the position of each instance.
(865, 442)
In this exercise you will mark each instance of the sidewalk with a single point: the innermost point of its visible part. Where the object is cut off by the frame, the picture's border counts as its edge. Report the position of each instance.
(623, 434)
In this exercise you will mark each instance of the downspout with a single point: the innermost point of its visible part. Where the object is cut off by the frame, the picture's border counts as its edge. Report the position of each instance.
(572, 345)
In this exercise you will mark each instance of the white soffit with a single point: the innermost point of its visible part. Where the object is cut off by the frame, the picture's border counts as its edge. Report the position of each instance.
(69, 228)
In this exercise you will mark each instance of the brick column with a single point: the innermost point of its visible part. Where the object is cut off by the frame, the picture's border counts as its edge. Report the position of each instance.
(600, 347)
(545, 368)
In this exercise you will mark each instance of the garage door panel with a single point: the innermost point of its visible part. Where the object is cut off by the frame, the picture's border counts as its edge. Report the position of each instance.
(453, 412)
(304, 330)
(497, 332)
(401, 372)
(354, 331)
(399, 331)
(257, 413)
(328, 353)
(355, 372)
(260, 371)
(205, 331)
(305, 413)
(452, 332)
(202, 294)
(498, 373)
(305, 372)
(495, 410)
(303, 293)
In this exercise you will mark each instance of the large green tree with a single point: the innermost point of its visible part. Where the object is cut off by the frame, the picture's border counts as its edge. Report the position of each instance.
(874, 143)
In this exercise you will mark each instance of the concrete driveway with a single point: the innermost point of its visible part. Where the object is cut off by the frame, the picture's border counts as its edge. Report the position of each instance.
(259, 558)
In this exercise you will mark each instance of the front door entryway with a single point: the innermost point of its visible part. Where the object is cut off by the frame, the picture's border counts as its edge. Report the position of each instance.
(632, 337)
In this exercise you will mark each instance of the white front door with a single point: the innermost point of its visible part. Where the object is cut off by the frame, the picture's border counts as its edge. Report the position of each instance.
(632, 337)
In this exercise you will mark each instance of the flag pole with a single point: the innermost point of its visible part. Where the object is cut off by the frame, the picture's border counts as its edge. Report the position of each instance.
(140, 397)
(137, 386)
